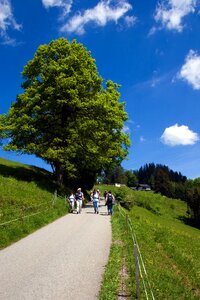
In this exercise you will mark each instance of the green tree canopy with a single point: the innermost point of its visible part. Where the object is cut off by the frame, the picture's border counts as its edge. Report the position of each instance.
(66, 116)
(132, 180)
(114, 174)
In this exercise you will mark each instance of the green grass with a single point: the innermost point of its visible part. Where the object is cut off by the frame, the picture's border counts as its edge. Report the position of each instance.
(111, 279)
(170, 248)
(26, 194)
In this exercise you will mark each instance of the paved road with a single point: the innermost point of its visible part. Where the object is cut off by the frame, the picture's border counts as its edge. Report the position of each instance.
(63, 260)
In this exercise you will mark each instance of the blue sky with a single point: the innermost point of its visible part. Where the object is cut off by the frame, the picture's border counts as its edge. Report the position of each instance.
(151, 48)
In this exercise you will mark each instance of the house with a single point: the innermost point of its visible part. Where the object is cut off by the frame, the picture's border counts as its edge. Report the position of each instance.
(119, 184)
(143, 187)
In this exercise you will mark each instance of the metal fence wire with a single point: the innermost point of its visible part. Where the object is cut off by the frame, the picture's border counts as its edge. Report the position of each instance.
(140, 269)
(48, 206)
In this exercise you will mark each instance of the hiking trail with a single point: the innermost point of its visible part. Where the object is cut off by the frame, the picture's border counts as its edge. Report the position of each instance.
(63, 260)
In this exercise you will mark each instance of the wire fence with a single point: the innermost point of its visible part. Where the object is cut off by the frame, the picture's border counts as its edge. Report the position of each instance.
(140, 269)
(45, 207)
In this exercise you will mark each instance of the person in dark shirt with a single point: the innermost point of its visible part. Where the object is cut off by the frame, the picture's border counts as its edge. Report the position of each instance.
(79, 200)
(109, 202)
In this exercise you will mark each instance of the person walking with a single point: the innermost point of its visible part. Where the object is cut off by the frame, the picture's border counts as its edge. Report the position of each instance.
(91, 196)
(109, 202)
(95, 199)
(79, 200)
(71, 200)
(105, 195)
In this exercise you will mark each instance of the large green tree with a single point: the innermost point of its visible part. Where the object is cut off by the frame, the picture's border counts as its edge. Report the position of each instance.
(66, 115)
(132, 180)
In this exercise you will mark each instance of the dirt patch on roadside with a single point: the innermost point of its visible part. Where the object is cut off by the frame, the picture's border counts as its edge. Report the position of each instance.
(118, 242)
(123, 291)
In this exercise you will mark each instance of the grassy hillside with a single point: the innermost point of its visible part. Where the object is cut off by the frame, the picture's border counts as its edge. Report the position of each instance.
(169, 247)
(27, 200)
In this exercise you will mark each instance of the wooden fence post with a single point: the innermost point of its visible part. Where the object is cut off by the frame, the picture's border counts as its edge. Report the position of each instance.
(55, 197)
(137, 272)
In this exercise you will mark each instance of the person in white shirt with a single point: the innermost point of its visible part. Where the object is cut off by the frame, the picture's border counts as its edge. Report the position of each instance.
(95, 199)
(71, 200)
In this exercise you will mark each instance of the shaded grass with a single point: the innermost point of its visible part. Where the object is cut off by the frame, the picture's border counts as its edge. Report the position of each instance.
(26, 173)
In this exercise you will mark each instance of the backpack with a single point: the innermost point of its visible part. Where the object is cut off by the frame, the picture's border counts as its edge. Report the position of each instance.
(110, 199)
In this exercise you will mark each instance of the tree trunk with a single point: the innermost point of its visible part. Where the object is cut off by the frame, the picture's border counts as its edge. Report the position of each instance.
(59, 171)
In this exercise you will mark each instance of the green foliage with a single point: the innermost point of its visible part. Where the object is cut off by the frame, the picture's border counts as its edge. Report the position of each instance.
(174, 185)
(123, 195)
(148, 172)
(196, 181)
(132, 180)
(162, 182)
(64, 115)
(192, 196)
(114, 174)
(120, 194)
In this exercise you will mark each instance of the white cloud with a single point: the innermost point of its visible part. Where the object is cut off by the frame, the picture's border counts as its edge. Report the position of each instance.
(142, 139)
(126, 129)
(179, 135)
(154, 82)
(101, 14)
(52, 3)
(152, 30)
(130, 20)
(190, 71)
(9, 41)
(172, 12)
(7, 21)
(64, 4)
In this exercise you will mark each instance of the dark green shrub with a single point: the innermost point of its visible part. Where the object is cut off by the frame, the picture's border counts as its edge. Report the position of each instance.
(120, 194)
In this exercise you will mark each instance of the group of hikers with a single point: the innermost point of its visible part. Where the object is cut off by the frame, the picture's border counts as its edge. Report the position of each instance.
(78, 198)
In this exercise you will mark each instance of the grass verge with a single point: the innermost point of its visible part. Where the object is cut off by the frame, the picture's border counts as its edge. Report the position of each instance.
(27, 201)
(169, 247)
(114, 277)
(28, 223)
(171, 254)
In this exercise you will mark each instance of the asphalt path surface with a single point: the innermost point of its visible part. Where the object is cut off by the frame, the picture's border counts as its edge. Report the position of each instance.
(63, 260)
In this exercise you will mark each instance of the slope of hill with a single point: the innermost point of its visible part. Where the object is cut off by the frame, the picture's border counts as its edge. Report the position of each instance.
(169, 247)
(27, 200)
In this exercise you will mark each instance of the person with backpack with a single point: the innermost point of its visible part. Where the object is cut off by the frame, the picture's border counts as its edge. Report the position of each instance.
(79, 200)
(95, 200)
(105, 195)
(109, 202)
(71, 200)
